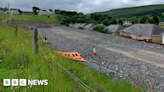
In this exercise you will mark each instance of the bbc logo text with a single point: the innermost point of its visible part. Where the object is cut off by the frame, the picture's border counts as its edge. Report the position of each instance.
(23, 82)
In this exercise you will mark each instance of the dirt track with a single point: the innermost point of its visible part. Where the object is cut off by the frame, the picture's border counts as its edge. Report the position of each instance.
(139, 54)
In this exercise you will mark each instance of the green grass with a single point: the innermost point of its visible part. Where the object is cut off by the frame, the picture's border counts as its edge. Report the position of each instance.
(162, 26)
(130, 10)
(31, 17)
(19, 62)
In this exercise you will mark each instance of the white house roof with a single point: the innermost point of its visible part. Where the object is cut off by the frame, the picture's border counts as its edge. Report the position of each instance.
(12, 11)
(144, 29)
(126, 21)
(82, 25)
(76, 26)
(41, 11)
(89, 26)
(115, 28)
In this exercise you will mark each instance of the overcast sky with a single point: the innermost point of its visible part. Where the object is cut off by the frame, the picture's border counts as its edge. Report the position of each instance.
(85, 6)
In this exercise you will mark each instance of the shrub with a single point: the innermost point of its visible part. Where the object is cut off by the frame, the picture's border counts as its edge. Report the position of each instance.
(81, 28)
(100, 28)
(48, 16)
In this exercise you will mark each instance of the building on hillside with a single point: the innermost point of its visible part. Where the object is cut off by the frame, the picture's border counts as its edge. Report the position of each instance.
(70, 25)
(77, 26)
(41, 12)
(114, 29)
(82, 25)
(127, 23)
(12, 11)
(74, 25)
(149, 32)
(161, 24)
(162, 37)
(1, 11)
(88, 27)
(51, 13)
(27, 12)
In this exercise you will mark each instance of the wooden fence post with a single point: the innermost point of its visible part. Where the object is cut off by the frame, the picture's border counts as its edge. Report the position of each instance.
(16, 28)
(1, 21)
(35, 41)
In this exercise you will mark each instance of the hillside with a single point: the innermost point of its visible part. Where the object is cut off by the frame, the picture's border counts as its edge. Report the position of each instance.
(134, 11)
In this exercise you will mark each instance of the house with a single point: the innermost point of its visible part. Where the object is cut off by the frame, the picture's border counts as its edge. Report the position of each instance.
(27, 12)
(161, 24)
(41, 12)
(162, 37)
(12, 11)
(77, 26)
(70, 25)
(74, 25)
(126, 23)
(88, 27)
(114, 29)
(51, 13)
(149, 32)
(82, 25)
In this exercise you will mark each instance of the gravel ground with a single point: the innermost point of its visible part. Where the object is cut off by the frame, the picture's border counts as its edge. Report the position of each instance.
(131, 61)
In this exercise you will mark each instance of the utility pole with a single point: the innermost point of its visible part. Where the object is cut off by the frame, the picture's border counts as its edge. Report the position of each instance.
(9, 14)
(8, 10)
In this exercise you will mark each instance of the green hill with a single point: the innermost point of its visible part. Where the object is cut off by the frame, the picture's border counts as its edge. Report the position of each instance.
(135, 11)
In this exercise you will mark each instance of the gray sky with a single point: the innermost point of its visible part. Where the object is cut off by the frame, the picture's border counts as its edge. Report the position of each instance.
(85, 6)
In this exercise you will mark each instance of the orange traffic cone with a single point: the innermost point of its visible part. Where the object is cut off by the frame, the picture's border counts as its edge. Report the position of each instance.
(94, 51)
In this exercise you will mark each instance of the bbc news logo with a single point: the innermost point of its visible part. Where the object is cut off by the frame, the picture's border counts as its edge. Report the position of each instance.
(23, 82)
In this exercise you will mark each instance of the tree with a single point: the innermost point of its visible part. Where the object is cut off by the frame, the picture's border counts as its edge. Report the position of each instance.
(133, 20)
(106, 22)
(50, 10)
(151, 21)
(35, 9)
(113, 21)
(20, 12)
(100, 28)
(143, 19)
(102, 18)
(80, 13)
(80, 20)
(44, 10)
(156, 20)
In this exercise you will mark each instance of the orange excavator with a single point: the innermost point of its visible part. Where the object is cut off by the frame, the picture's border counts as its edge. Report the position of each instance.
(72, 55)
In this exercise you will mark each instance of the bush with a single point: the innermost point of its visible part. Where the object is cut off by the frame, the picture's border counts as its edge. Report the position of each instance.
(100, 28)
(48, 16)
(81, 28)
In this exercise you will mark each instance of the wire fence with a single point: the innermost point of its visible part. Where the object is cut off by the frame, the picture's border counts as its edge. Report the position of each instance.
(68, 72)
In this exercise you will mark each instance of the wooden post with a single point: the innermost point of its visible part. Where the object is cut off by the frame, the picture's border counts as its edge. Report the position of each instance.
(1, 21)
(35, 41)
(9, 15)
(16, 28)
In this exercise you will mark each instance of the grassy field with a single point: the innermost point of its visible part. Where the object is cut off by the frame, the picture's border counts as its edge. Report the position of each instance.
(162, 26)
(6, 17)
(18, 62)
(130, 10)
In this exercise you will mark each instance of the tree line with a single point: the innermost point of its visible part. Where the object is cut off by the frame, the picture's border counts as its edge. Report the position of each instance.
(66, 17)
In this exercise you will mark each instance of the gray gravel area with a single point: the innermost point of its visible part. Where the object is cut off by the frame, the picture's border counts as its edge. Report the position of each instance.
(126, 56)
